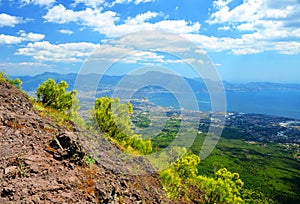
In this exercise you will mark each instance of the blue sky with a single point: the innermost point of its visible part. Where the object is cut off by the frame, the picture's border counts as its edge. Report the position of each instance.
(250, 40)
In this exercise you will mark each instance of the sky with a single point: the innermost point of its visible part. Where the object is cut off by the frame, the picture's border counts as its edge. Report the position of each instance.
(249, 40)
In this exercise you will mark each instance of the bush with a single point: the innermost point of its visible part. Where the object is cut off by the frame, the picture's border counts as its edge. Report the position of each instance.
(113, 119)
(226, 187)
(54, 95)
(177, 178)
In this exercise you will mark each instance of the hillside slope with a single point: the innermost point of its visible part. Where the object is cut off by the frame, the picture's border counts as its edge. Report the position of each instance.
(43, 162)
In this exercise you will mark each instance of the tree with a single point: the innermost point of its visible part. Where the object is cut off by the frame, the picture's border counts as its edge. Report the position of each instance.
(226, 187)
(113, 118)
(177, 178)
(55, 96)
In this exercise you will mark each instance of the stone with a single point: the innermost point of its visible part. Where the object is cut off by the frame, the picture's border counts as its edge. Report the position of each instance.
(10, 169)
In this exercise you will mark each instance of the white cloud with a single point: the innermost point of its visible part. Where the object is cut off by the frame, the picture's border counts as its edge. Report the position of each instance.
(38, 2)
(65, 31)
(32, 37)
(67, 52)
(148, 48)
(154, 40)
(110, 53)
(221, 3)
(140, 18)
(259, 25)
(208, 43)
(262, 25)
(8, 39)
(248, 44)
(245, 12)
(8, 20)
(288, 48)
(59, 14)
(105, 22)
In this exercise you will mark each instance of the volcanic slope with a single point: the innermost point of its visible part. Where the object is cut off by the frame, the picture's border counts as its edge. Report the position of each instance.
(43, 162)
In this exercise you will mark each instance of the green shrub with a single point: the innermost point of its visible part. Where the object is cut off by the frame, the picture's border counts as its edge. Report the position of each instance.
(177, 178)
(113, 119)
(55, 102)
(55, 96)
(89, 160)
(225, 187)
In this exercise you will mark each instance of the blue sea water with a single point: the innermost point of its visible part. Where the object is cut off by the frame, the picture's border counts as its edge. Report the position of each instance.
(284, 103)
(278, 103)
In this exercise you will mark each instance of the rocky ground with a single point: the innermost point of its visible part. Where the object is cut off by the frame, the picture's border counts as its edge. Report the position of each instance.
(41, 162)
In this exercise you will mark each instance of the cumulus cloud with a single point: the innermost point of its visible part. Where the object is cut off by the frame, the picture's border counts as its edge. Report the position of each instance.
(106, 22)
(31, 36)
(78, 52)
(8, 20)
(221, 3)
(59, 14)
(262, 24)
(148, 47)
(258, 15)
(119, 50)
(123, 54)
(67, 52)
(9, 39)
(258, 25)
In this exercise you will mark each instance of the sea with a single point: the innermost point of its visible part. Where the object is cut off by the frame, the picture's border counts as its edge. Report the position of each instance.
(285, 103)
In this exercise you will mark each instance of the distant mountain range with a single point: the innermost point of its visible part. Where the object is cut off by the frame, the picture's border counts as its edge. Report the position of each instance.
(30, 83)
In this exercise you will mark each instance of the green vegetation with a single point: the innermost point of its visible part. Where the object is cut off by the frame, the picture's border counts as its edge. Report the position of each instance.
(54, 95)
(267, 168)
(16, 82)
(113, 119)
(89, 160)
(167, 135)
(225, 187)
(141, 120)
(270, 172)
(56, 116)
(177, 178)
(55, 102)
(182, 178)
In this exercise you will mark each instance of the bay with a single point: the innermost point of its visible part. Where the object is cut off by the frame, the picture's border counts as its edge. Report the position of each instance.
(285, 103)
